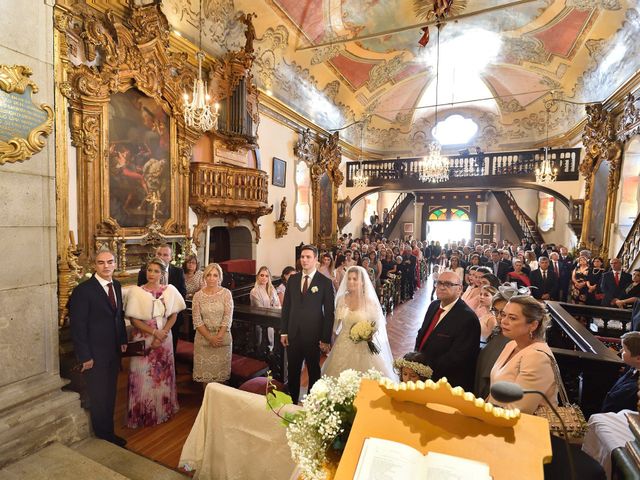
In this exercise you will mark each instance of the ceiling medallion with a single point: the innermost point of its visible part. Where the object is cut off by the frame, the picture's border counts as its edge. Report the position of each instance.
(198, 113)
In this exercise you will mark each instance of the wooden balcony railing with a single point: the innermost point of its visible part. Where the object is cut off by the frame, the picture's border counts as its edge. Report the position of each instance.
(631, 246)
(506, 164)
(216, 188)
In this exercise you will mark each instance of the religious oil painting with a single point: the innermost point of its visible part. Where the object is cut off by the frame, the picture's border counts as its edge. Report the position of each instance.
(139, 160)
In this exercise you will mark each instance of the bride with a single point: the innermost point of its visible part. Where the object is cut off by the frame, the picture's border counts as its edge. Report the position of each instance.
(356, 300)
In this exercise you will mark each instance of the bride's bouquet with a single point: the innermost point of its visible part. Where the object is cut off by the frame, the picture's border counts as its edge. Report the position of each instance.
(363, 331)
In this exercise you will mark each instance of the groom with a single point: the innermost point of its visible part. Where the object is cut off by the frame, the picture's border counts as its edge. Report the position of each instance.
(307, 320)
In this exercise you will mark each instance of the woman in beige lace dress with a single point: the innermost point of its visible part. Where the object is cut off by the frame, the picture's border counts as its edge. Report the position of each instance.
(212, 310)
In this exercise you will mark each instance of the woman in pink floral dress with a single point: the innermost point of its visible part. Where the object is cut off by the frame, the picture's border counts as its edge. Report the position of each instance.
(152, 310)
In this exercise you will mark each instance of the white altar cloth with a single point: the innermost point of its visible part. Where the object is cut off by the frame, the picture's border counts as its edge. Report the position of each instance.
(235, 437)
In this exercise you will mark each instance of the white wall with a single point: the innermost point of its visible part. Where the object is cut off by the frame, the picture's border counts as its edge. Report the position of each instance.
(496, 215)
(277, 140)
(406, 217)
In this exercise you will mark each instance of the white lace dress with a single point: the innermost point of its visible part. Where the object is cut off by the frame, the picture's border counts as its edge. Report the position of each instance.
(346, 355)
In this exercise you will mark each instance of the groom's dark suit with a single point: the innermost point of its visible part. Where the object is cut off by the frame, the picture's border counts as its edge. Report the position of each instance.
(307, 320)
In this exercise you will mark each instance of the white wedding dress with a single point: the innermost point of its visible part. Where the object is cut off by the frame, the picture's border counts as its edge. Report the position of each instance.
(344, 353)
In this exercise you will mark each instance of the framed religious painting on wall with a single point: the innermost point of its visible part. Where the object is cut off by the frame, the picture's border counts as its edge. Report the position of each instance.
(279, 173)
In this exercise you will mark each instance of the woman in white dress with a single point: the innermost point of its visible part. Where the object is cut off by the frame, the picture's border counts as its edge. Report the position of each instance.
(356, 301)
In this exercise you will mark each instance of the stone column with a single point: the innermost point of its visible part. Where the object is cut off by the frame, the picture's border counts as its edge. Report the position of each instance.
(417, 219)
(34, 411)
(482, 211)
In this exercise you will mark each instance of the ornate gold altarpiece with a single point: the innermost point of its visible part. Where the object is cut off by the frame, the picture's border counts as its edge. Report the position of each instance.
(604, 137)
(323, 157)
(104, 49)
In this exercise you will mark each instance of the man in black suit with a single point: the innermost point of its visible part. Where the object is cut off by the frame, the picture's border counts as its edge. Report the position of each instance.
(176, 278)
(624, 393)
(543, 281)
(613, 283)
(562, 273)
(99, 336)
(450, 334)
(307, 320)
(498, 267)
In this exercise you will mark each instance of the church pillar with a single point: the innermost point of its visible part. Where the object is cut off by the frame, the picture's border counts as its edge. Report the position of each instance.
(34, 411)
(482, 211)
(417, 219)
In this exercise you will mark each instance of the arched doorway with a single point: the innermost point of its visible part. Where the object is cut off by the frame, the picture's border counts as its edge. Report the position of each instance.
(229, 244)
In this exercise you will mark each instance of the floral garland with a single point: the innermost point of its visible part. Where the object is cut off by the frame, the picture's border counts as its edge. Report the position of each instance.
(423, 371)
(319, 431)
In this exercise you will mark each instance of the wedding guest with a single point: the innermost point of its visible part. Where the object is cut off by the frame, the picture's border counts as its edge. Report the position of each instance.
(193, 278)
(412, 367)
(325, 267)
(518, 276)
(530, 260)
(99, 336)
(388, 265)
(212, 315)
(376, 264)
(494, 345)
(152, 310)
(483, 311)
(454, 266)
(594, 294)
(543, 283)
(631, 293)
(263, 294)
(624, 393)
(526, 359)
(284, 276)
(579, 289)
(370, 271)
(614, 283)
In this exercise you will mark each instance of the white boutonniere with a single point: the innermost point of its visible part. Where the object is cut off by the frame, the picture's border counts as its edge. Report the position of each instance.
(314, 289)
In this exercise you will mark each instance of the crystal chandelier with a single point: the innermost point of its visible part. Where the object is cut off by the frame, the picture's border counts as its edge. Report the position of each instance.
(360, 179)
(198, 113)
(546, 172)
(434, 167)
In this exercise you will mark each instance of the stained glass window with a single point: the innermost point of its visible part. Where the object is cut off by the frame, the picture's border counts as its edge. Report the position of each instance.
(459, 214)
(438, 214)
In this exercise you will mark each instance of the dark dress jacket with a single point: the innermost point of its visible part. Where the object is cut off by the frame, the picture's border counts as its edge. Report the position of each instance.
(97, 330)
(623, 394)
(610, 289)
(549, 286)
(452, 348)
(308, 317)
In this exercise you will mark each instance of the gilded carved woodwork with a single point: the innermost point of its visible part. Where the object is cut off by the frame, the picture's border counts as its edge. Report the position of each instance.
(282, 226)
(114, 55)
(229, 192)
(325, 199)
(20, 112)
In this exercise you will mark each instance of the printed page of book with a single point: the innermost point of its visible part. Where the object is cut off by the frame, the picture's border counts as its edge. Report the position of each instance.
(387, 460)
(439, 466)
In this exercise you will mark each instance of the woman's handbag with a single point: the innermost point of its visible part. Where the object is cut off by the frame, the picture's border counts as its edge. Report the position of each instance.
(571, 414)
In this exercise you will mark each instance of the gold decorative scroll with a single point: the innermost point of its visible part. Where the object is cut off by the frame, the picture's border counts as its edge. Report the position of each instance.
(325, 199)
(22, 123)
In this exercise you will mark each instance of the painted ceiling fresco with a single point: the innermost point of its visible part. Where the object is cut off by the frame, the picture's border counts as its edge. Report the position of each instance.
(496, 68)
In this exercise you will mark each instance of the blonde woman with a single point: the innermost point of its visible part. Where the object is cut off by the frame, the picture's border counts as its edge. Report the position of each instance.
(264, 294)
(212, 313)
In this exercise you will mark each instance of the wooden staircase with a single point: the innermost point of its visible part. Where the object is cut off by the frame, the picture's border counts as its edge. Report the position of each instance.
(630, 251)
(521, 223)
(395, 212)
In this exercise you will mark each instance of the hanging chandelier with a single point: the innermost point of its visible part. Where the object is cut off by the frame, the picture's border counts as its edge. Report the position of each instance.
(360, 178)
(546, 172)
(434, 168)
(198, 113)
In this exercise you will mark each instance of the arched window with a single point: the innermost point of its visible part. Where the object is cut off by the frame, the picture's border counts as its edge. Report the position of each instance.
(459, 214)
(303, 210)
(438, 214)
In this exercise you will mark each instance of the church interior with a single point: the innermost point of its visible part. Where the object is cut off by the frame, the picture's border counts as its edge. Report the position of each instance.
(436, 144)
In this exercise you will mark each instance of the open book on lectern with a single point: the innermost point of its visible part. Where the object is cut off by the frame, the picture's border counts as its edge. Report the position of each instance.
(387, 460)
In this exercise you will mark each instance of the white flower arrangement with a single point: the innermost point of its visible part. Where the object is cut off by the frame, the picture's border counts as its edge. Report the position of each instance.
(319, 431)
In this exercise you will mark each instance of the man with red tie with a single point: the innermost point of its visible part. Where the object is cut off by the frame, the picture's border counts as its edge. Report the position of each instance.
(450, 334)
(614, 283)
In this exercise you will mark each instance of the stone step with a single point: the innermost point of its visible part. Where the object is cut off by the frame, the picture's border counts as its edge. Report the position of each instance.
(58, 461)
(124, 462)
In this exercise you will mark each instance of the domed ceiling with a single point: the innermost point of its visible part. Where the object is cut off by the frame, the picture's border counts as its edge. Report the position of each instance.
(497, 65)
